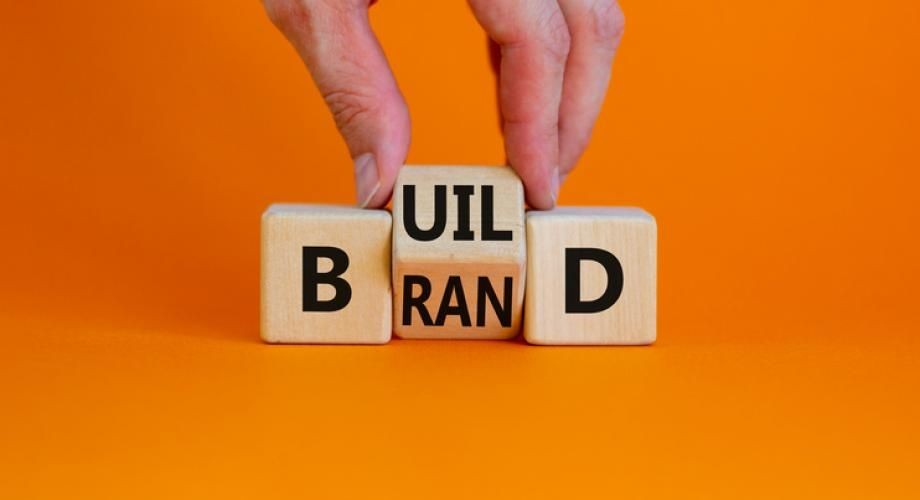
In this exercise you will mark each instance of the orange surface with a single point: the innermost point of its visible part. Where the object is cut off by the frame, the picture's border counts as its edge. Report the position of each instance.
(777, 143)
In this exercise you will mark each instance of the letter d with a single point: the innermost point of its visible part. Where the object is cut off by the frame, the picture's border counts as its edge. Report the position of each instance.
(573, 258)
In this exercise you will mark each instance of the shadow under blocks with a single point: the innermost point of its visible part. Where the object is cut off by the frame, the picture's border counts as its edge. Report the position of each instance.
(459, 258)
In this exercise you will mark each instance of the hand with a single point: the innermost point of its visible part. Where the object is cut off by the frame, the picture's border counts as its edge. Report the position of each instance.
(555, 59)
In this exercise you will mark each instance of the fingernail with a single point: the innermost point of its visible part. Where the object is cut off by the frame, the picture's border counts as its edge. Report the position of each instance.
(367, 180)
(554, 185)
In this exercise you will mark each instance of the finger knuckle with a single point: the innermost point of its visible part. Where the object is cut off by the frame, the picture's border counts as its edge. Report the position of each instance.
(284, 13)
(555, 35)
(350, 108)
(606, 22)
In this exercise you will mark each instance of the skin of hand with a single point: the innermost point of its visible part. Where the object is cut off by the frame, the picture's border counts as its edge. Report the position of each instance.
(554, 65)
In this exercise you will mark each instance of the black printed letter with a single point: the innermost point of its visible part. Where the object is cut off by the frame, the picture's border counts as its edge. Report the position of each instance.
(312, 278)
(454, 288)
(573, 258)
(417, 302)
(488, 217)
(503, 310)
(440, 214)
(463, 232)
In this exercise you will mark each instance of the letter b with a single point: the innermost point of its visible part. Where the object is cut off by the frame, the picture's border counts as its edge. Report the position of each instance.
(312, 278)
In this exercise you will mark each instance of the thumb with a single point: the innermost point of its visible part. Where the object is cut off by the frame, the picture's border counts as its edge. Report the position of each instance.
(346, 61)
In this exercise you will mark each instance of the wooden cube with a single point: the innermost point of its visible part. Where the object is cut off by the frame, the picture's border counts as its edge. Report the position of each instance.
(326, 275)
(591, 276)
(459, 253)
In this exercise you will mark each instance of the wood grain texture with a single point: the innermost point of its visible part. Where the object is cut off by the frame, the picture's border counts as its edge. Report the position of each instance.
(630, 234)
(446, 255)
(364, 236)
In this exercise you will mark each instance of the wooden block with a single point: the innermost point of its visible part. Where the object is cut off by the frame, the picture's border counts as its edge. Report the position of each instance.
(458, 253)
(591, 276)
(326, 275)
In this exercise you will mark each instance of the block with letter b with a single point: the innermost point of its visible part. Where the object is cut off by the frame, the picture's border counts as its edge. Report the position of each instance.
(591, 276)
(326, 275)
(459, 252)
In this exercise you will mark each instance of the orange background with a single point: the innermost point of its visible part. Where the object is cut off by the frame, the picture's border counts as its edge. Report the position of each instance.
(776, 142)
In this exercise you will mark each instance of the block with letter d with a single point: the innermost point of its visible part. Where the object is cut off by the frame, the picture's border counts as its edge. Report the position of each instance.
(326, 275)
(459, 253)
(591, 276)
